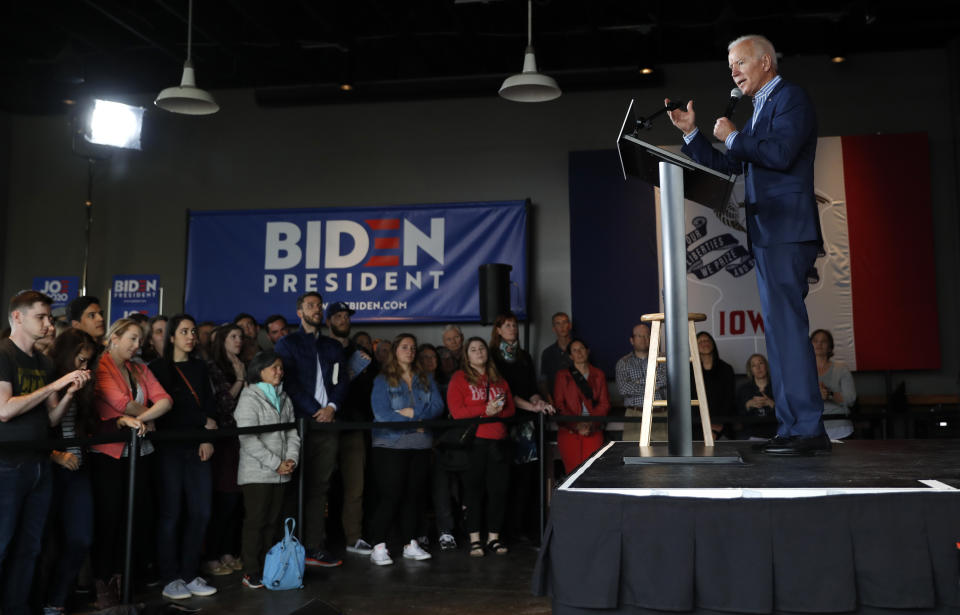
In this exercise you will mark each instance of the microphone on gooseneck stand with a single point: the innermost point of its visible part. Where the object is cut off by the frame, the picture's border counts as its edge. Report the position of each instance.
(735, 95)
(647, 122)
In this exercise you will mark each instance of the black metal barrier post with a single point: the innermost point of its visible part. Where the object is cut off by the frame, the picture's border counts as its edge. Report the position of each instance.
(302, 431)
(304, 427)
(543, 475)
(134, 452)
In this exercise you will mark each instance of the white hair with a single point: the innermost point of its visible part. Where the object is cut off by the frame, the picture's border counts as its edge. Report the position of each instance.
(761, 45)
(453, 328)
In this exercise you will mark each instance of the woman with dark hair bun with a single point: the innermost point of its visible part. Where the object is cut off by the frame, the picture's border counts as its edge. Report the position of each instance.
(478, 390)
(580, 390)
(266, 459)
(71, 510)
(184, 474)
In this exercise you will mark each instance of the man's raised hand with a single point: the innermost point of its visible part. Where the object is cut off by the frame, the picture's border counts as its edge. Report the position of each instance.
(685, 120)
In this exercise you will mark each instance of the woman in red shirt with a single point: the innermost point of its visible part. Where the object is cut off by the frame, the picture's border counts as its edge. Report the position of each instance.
(580, 390)
(478, 390)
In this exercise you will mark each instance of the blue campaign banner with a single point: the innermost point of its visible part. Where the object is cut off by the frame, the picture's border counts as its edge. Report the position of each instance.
(62, 290)
(134, 293)
(391, 264)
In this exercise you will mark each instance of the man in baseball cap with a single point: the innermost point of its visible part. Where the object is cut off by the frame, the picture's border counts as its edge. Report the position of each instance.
(336, 308)
(356, 407)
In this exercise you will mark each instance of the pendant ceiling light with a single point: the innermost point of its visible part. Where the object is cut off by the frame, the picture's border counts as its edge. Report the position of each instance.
(187, 98)
(529, 86)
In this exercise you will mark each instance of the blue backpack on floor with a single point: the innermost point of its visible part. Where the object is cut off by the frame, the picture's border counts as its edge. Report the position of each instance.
(283, 568)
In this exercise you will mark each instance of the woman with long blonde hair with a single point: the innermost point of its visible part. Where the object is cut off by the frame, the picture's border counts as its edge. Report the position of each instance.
(400, 458)
(126, 395)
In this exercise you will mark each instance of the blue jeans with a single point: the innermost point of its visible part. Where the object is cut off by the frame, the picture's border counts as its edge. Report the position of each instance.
(25, 492)
(71, 518)
(184, 479)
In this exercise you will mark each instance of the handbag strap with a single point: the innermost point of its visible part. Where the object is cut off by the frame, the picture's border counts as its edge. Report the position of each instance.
(583, 384)
(189, 386)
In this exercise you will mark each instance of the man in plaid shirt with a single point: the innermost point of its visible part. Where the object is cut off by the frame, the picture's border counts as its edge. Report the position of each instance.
(631, 380)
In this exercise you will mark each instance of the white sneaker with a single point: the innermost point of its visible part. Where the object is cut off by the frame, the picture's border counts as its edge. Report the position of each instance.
(413, 551)
(380, 556)
(176, 590)
(199, 587)
(361, 547)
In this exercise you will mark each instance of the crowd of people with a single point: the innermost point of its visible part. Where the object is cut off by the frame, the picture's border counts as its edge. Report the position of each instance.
(215, 507)
(725, 398)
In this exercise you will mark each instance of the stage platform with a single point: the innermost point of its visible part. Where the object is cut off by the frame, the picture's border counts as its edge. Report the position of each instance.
(873, 527)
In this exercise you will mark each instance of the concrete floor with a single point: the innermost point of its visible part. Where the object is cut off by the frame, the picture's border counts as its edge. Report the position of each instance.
(450, 583)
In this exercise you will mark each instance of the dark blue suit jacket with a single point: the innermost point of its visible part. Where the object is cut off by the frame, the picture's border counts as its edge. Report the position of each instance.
(776, 157)
(299, 352)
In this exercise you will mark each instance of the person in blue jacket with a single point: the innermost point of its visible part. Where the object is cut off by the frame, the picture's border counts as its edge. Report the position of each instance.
(316, 380)
(775, 153)
(400, 458)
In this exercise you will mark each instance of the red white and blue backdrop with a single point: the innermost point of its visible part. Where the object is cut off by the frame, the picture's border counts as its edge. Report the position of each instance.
(874, 288)
(391, 264)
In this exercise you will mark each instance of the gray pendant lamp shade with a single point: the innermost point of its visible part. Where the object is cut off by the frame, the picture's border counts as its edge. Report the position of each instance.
(529, 86)
(187, 98)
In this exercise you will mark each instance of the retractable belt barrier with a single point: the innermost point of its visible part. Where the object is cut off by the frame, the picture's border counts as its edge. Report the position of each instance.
(208, 435)
(305, 425)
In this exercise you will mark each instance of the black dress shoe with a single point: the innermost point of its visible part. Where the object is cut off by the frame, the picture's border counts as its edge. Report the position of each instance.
(777, 440)
(800, 446)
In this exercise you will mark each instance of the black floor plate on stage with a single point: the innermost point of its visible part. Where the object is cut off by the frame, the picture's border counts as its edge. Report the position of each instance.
(860, 464)
(702, 454)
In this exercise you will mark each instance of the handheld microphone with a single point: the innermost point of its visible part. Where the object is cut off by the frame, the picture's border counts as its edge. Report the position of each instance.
(735, 95)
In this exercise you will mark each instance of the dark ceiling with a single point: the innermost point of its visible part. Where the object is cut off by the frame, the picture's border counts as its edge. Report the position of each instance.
(300, 51)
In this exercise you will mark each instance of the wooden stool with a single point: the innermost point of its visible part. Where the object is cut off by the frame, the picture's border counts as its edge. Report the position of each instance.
(649, 403)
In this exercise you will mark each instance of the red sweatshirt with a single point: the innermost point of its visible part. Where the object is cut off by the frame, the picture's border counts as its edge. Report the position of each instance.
(468, 401)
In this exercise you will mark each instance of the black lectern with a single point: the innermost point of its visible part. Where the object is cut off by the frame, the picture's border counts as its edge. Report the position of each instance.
(678, 177)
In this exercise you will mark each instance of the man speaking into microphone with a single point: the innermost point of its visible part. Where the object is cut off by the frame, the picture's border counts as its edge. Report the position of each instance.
(775, 152)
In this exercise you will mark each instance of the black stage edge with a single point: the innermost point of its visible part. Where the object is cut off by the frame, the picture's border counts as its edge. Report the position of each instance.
(872, 528)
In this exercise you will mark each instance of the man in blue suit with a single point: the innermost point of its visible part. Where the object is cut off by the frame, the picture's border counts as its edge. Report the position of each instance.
(315, 378)
(775, 152)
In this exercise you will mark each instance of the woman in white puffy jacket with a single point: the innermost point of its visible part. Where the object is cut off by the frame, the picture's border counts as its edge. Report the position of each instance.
(266, 459)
